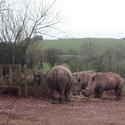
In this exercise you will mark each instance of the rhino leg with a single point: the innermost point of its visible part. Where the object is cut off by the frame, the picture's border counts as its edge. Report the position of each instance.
(120, 90)
(118, 94)
(52, 94)
(99, 92)
(62, 95)
(67, 94)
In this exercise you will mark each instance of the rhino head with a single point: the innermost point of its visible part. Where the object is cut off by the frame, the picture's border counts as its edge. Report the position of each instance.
(89, 91)
(76, 87)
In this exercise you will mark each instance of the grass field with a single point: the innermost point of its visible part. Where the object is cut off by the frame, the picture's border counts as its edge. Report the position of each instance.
(78, 44)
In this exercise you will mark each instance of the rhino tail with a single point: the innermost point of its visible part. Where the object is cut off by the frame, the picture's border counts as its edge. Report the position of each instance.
(120, 87)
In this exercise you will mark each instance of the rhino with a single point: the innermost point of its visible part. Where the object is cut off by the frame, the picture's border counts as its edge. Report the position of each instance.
(59, 79)
(101, 82)
(81, 81)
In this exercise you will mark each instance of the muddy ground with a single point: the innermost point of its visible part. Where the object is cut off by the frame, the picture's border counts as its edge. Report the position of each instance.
(36, 111)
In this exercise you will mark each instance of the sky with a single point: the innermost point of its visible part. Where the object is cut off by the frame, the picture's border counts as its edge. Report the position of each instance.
(92, 18)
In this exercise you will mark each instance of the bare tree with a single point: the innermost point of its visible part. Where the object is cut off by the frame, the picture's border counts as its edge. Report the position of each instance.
(21, 20)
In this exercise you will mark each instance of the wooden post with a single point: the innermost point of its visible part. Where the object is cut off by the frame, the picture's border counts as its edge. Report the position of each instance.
(19, 76)
(1, 75)
(10, 75)
(19, 91)
(26, 86)
(19, 72)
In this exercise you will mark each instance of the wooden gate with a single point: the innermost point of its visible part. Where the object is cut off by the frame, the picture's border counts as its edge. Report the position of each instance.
(11, 69)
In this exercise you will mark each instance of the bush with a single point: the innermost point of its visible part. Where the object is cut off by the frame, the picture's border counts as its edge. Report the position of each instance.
(45, 66)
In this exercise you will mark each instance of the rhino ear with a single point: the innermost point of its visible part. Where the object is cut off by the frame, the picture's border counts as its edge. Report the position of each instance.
(74, 75)
(79, 80)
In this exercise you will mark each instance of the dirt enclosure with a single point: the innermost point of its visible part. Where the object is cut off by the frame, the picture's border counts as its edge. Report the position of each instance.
(36, 111)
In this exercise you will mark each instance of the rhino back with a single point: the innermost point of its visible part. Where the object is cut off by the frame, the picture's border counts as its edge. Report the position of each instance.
(59, 77)
(108, 80)
(113, 80)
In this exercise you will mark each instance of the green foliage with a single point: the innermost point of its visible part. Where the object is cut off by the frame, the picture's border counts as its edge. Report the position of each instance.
(11, 53)
(78, 44)
(46, 66)
(34, 56)
(24, 67)
(51, 55)
(98, 54)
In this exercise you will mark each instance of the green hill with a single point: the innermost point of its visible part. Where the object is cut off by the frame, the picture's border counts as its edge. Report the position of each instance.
(78, 44)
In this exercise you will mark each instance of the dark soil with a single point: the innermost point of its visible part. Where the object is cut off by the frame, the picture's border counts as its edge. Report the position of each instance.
(36, 111)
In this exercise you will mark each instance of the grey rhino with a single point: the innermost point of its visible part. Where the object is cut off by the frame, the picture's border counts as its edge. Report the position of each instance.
(59, 78)
(105, 81)
(81, 81)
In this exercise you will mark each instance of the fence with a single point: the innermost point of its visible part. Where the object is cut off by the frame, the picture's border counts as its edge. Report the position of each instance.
(10, 80)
